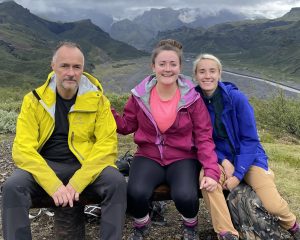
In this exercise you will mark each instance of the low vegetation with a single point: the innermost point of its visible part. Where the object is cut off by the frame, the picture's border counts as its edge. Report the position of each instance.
(278, 124)
(279, 114)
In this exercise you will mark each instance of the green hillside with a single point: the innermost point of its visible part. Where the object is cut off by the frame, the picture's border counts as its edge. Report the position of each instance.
(26, 43)
(268, 47)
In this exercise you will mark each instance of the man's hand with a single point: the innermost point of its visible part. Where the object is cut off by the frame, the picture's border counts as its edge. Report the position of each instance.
(73, 193)
(62, 197)
(231, 183)
(208, 184)
(228, 168)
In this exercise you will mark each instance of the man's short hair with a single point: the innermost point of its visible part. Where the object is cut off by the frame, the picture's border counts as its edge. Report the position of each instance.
(67, 44)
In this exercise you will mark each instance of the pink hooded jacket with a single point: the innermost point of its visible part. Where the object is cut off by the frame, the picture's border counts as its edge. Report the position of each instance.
(190, 136)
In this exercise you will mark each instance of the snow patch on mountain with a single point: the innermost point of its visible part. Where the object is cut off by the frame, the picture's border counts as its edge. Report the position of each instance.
(188, 15)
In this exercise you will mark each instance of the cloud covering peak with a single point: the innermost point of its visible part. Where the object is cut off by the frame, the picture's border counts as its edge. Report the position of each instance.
(131, 8)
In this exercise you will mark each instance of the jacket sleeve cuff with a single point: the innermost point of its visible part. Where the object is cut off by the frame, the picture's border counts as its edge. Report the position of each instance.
(242, 164)
(220, 160)
(213, 174)
(78, 187)
(239, 175)
(53, 188)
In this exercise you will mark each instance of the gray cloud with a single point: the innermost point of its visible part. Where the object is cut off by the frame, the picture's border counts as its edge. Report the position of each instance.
(131, 8)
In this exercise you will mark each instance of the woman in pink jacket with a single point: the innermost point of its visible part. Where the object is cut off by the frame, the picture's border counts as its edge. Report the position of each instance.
(173, 132)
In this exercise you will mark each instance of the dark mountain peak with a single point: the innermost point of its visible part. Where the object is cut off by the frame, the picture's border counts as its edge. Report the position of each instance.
(83, 27)
(84, 21)
(295, 10)
(10, 4)
(159, 19)
(21, 18)
(33, 38)
(11, 12)
(292, 15)
(11, 7)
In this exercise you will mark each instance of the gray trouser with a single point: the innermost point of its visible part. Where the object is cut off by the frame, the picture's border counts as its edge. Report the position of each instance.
(20, 187)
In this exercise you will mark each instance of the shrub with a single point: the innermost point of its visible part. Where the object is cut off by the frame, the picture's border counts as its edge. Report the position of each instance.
(11, 106)
(118, 101)
(8, 121)
(279, 113)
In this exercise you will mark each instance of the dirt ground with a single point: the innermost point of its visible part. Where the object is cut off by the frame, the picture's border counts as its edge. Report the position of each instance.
(43, 225)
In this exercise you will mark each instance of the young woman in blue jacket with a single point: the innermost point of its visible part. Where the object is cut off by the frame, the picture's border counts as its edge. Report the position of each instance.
(239, 150)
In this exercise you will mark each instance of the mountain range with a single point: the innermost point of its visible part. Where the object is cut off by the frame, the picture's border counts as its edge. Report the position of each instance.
(263, 45)
(152, 20)
(26, 41)
(139, 30)
(142, 29)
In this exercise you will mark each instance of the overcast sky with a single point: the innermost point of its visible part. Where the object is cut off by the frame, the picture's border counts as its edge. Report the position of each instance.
(131, 8)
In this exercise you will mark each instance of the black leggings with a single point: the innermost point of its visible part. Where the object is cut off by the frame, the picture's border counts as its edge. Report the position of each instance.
(182, 177)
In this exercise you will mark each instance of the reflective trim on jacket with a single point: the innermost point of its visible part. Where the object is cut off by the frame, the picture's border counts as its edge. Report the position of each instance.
(92, 133)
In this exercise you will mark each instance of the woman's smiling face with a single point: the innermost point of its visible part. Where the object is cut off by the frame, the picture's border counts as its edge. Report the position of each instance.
(208, 75)
(167, 67)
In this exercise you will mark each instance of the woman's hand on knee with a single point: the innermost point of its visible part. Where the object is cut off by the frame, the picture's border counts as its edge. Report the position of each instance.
(208, 184)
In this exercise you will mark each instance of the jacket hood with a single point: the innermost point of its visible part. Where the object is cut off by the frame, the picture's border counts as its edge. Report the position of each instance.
(228, 86)
(186, 88)
(88, 86)
(87, 83)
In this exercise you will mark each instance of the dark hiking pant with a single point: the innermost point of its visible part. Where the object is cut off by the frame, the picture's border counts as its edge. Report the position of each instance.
(20, 188)
(182, 177)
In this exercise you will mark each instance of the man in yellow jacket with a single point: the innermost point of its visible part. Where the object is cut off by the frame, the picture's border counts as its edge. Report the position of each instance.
(65, 145)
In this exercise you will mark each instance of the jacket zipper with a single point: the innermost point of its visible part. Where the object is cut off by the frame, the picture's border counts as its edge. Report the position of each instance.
(77, 152)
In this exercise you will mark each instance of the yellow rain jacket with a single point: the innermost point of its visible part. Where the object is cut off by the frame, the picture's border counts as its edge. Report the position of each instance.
(92, 133)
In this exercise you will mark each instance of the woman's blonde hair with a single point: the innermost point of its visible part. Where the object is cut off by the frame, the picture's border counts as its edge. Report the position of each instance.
(206, 56)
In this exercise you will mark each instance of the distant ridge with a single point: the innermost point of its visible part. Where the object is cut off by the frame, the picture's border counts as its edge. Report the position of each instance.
(269, 47)
(145, 27)
(26, 41)
(293, 15)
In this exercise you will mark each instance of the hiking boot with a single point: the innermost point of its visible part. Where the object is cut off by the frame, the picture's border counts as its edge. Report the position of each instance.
(190, 233)
(295, 231)
(227, 236)
(139, 233)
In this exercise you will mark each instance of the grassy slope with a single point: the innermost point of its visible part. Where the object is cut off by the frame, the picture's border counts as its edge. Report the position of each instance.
(284, 161)
(268, 48)
(287, 179)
